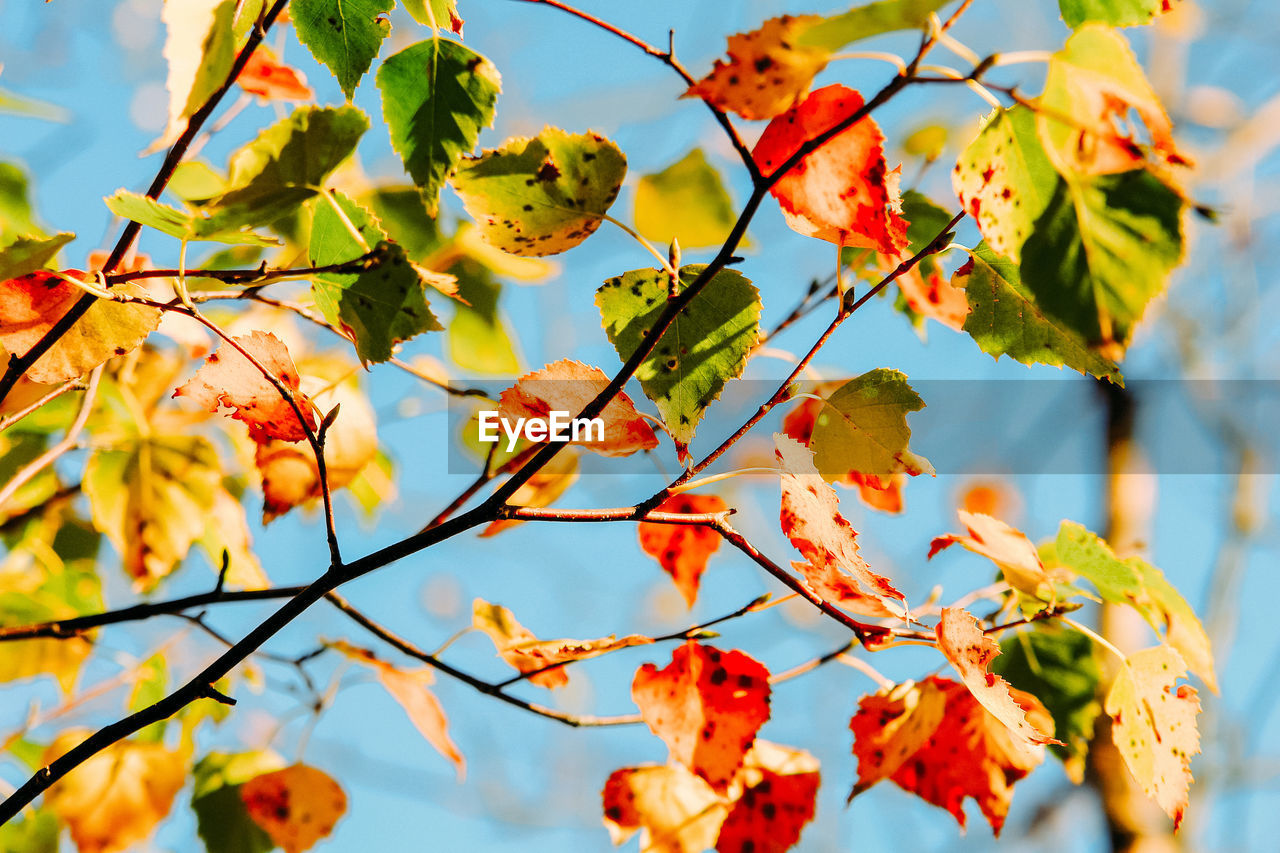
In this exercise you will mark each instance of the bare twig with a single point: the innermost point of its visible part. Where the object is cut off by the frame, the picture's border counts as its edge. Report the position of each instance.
(69, 385)
(68, 442)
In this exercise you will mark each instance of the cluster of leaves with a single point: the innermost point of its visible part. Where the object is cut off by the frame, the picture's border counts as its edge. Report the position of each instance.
(1077, 196)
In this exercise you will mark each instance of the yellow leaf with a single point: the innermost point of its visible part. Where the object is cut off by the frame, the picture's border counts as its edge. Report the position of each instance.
(1154, 725)
(675, 811)
(115, 799)
(1008, 548)
(766, 72)
(296, 806)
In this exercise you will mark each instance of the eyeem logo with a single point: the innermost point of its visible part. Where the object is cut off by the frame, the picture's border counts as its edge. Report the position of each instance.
(557, 427)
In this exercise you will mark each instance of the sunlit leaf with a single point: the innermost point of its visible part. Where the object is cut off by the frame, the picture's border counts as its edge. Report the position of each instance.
(272, 80)
(200, 48)
(345, 35)
(1008, 548)
(222, 819)
(1117, 13)
(687, 202)
(683, 549)
(439, 14)
(869, 20)
(863, 428)
(185, 225)
(479, 336)
(674, 810)
(296, 806)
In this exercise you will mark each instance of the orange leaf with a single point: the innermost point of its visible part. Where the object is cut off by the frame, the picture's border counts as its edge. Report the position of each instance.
(296, 806)
(779, 790)
(933, 295)
(707, 706)
(518, 646)
(409, 688)
(229, 379)
(936, 741)
(542, 489)
(568, 386)
(811, 519)
(270, 79)
(1008, 548)
(683, 549)
(970, 651)
(675, 811)
(115, 799)
(843, 192)
(766, 73)
(32, 304)
(1154, 725)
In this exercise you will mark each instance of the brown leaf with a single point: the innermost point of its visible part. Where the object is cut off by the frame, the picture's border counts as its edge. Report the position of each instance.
(970, 651)
(114, 799)
(843, 192)
(936, 741)
(706, 705)
(811, 519)
(568, 386)
(229, 379)
(683, 549)
(766, 72)
(296, 806)
(518, 646)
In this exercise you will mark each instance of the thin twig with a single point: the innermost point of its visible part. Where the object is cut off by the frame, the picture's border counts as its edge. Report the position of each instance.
(68, 442)
(69, 385)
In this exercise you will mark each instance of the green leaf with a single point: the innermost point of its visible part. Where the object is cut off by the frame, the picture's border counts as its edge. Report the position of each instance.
(27, 254)
(287, 164)
(379, 307)
(863, 428)
(1136, 583)
(49, 574)
(1102, 250)
(402, 214)
(35, 832)
(181, 224)
(151, 497)
(345, 35)
(1117, 13)
(436, 97)
(705, 347)
(542, 195)
(1005, 180)
(20, 105)
(196, 181)
(437, 14)
(479, 337)
(870, 20)
(16, 215)
(1058, 667)
(685, 201)
(1005, 319)
(222, 820)
(151, 687)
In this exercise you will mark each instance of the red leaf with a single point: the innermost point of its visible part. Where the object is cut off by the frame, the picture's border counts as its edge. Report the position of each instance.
(707, 706)
(843, 192)
(296, 806)
(811, 519)
(936, 741)
(683, 549)
(779, 789)
(270, 79)
(229, 379)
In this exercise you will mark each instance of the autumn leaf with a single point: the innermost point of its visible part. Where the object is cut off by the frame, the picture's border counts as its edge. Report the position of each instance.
(683, 549)
(1154, 725)
(200, 49)
(779, 789)
(114, 799)
(230, 379)
(437, 14)
(706, 705)
(409, 688)
(766, 72)
(1092, 86)
(518, 646)
(271, 80)
(843, 192)
(882, 493)
(1117, 13)
(542, 489)
(542, 195)
(296, 806)
(811, 519)
(32, 304)
(674, 810)
(863, 428)
(934, 740)
(970, 652)
(289, 472)
(1008, 548)
(222, 819)
(568, 386)
(686, 201)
